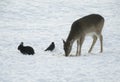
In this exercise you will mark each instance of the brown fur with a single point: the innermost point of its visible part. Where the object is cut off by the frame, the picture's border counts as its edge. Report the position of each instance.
(80, 28)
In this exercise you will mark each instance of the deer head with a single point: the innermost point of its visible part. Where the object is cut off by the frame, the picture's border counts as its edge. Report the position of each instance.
(67, 47)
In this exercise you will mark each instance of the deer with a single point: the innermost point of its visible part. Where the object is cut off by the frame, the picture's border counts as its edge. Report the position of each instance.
(88, 25)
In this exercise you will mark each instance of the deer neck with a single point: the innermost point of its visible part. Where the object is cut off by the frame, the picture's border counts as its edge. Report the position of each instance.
(70, 40)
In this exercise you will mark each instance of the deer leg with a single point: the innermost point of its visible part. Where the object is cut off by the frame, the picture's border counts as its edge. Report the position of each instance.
(81, 43)
(78, 47)
(93, 43)
(101, 43)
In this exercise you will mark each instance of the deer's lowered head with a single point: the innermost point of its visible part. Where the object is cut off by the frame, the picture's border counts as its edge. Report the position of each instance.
(67, 45)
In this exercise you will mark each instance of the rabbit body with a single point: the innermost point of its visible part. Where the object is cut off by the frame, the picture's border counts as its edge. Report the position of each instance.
(26, 49)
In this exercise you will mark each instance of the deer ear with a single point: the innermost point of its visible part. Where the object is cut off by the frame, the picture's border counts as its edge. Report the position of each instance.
(63, 41)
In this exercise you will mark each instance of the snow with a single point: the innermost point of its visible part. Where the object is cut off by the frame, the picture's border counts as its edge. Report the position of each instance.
(38, 23)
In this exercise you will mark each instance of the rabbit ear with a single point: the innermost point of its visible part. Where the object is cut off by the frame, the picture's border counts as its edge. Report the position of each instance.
(21, 43)
(63, 41)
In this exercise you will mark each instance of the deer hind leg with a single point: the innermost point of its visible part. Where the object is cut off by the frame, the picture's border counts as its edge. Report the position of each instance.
(101, 43)
(93, 43)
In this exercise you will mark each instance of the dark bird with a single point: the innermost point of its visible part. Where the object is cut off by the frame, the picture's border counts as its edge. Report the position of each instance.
(26, 49)
(51, 47)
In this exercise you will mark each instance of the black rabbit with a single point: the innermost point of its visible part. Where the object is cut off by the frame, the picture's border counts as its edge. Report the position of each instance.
(51, 47)
(26, 49)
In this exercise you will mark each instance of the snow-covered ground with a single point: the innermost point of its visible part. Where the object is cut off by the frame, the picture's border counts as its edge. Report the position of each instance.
(39, 22)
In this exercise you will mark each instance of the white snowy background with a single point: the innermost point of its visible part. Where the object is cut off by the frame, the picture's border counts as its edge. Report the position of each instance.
(38, 23)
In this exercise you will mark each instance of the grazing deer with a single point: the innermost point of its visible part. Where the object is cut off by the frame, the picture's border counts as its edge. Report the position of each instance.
(88, 25)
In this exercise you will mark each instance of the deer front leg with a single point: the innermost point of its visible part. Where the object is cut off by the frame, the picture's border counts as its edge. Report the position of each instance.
(78, 48)
(81, 43)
